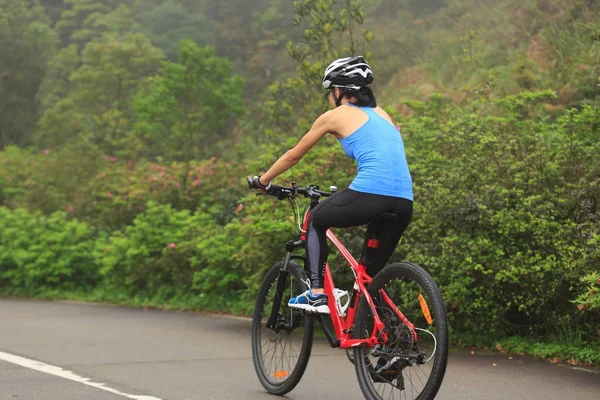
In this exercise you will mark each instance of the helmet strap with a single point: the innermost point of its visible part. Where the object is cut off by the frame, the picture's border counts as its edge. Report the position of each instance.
(338, 100)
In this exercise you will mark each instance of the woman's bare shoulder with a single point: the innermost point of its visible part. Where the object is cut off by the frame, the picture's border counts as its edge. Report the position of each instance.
(384, 114)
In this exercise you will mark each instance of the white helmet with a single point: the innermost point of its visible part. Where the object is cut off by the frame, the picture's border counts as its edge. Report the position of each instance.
(348, 72)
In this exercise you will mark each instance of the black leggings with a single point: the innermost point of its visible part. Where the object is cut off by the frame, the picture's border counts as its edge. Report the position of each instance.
(351, 208)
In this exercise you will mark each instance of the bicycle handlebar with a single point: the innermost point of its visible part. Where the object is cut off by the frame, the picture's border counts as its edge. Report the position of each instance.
(285, 192)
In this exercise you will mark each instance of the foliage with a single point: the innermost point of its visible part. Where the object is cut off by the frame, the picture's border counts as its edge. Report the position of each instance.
(503, 221)
(330, 32)
(185, 112)
(533, 45)
(98, 104)
(87, 20)
(141, 259)
(169, 22)
(590, 299)
(571, 349)
(108, 192)
(45, 180)
(40, 252)
(168, 253)
(26, 44)
(497, 103)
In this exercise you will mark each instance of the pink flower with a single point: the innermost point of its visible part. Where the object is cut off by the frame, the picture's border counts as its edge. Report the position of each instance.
(70, 209)
(197, 182)
(172, 245)
(46, 152)
(109, 194)
(162, 173)
(177, 184)
(5, 161)
(239, 207)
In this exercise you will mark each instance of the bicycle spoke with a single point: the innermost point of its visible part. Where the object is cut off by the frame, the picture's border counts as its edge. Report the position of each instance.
(405, 366)
(281, 351)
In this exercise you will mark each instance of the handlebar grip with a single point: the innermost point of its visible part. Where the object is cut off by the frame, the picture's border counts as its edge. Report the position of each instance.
(277, 191)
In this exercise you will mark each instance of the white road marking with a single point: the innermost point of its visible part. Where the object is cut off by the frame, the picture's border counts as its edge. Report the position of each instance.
(58, 371)
(586, 370)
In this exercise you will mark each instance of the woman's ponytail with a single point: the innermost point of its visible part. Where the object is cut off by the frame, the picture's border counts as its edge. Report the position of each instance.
(364, 96)
(367, 96)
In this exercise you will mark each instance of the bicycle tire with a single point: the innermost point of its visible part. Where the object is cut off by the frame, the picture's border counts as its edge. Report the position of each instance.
(365, 371)
(281, 381)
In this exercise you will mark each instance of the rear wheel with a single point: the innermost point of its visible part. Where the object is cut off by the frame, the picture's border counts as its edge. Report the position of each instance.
(281, 351)
(405, 367)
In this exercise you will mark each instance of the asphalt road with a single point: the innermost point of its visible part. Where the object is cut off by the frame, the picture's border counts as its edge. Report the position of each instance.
(63, 351)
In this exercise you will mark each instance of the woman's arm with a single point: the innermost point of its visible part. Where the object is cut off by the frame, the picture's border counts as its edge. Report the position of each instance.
(321, 126)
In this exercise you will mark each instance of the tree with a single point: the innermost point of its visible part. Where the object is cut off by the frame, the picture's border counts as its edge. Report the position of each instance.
(87, 20)
(53, 8)
(27, 42)
(188, 110)
(97, 108)
(56, 84)
(331, 30)
(170, 22)
(79, 17)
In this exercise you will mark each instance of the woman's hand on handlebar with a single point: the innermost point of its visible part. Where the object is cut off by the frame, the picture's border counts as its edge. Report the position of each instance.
(254, 183)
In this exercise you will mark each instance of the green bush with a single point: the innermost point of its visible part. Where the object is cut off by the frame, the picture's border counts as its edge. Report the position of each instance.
(589, 300)
(40, 253)
(505, 209)
(148, 257)
(120, 191)
(506, 215)
(107, 192)
(168, 252)
(46, 180)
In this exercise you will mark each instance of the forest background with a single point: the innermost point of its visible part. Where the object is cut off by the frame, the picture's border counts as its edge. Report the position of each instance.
(127, 128)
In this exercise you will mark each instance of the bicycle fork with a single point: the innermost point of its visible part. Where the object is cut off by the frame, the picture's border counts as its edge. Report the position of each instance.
(281, 282)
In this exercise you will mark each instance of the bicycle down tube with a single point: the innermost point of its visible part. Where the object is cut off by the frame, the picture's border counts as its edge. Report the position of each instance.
(343, 326)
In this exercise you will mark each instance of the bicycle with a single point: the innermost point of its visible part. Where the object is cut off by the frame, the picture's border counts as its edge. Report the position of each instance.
(387, 346)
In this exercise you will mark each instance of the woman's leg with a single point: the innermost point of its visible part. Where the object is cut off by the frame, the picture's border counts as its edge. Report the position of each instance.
(389, 236)
(345, 209)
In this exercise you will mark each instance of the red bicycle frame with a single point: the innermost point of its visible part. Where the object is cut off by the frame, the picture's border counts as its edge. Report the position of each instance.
(343, 325)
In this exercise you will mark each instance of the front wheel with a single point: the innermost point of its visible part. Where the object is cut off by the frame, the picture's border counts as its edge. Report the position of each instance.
(281, 336)
(406, 367)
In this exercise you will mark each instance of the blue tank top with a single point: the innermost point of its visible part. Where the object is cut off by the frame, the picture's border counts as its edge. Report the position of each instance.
(379, 151)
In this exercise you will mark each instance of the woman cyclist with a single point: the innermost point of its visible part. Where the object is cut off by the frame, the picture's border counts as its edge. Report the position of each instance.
(382, 185)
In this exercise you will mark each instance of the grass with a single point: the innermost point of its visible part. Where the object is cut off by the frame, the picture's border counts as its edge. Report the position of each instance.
(576, 354)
